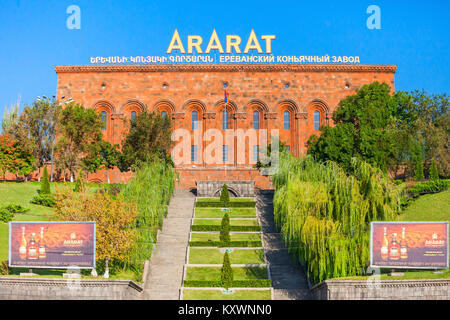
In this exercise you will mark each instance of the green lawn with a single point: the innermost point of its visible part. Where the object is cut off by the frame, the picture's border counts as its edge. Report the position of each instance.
(204, 236)
(213, 273)
(217, 222)
(215, 256)
(218, 213)
(21, 193)
(194, 294)
(231, 199)
(429, 207)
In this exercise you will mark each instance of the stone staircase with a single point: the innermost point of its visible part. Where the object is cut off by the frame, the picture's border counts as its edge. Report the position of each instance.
(165, 274)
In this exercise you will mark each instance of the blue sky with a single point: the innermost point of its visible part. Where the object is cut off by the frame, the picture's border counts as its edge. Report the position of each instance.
(414, 35)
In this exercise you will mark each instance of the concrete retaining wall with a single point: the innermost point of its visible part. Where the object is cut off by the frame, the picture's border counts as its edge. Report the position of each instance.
(425, 289)
(13, 288)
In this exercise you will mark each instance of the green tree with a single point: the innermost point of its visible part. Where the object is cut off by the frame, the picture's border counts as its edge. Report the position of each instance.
(225, 231)
(149, 136)
(78, 129)
(225, 196)
(102, 155)
(79, 184)
(434, 173)
(35, 129)
(226, 275)
(45, 184)
(14, 158)
(363, 129)
(418, 170)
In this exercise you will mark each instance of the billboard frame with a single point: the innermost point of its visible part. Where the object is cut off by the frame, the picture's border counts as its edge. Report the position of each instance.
(52, 222)
(407, 222)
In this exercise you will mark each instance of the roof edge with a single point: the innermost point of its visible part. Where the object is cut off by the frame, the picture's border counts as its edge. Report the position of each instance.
(226, 68)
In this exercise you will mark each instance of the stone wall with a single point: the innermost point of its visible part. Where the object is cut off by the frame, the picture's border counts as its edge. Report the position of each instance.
(14, 288)
(236, 188)
(424, 289)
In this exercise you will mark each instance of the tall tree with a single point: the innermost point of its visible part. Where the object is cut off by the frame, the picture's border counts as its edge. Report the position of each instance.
(14, 158)
(35, 129)
(102, 155)
(149, 136)
(78, 128)
(363, 129)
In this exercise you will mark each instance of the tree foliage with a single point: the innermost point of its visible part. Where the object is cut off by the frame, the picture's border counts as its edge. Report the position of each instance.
(114, 219)
(225, 231)
(45, 184)
(102, 155)
(324, 214)
(225, 196)
(78, 129)
(363, 129)
(434, 172)
(149, 136)
(13, 157)
(226, 274)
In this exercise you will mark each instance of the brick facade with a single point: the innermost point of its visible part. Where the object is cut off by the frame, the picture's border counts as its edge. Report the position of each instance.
(275, 91)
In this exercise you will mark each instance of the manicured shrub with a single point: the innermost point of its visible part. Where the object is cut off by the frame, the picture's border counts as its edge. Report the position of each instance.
(430, 186)
(246, 204)
(231, 244)
(434, 173)
(79, 184)
(45, 184)
(208, 227)
(254, 283)
(43, 200)
(418, 171)
(225, 230)
(226, 274)
(7, 212)
(224, 196)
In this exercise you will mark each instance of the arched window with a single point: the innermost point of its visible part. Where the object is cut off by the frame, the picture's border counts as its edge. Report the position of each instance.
(194, 119)
(133, 119)
(286, 120)
(104, 118)
(164, 113)
(225, 119)
(316, 120)
(256, 120)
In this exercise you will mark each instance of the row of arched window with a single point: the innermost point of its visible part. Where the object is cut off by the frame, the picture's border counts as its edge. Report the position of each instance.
(225, 119)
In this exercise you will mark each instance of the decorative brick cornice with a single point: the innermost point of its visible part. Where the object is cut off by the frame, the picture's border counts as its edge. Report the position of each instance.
(178, 115)
(209, 115)
(270, 115)
(301, 115)
(227, 68)
(240, 115)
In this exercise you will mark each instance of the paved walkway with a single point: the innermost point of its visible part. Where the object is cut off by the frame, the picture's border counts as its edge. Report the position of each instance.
(165, 275)
(288, 278)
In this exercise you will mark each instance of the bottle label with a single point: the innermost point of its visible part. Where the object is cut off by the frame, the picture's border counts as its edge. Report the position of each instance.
(32, 252)
(394, 252)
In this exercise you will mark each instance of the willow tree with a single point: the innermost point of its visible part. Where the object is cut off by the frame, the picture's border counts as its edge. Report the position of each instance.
(324, 214)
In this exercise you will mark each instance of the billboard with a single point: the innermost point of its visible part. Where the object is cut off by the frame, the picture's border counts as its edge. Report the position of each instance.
(52, 244)
(404, 245)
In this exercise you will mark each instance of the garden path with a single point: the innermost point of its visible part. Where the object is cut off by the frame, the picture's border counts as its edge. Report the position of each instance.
(165, 275)
(289, 280)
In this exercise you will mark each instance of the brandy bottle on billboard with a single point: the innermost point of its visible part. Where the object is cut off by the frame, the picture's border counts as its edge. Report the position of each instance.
(32, 248)
(394, 248)
(42, 253)
(23, 246)
(403, 246)
(384, 247)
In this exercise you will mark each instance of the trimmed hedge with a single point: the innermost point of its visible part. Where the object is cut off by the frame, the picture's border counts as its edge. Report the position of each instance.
(218, 228)
(246, 204)
(43, 200)
(231, 244)
(254, 283)
(430, 186)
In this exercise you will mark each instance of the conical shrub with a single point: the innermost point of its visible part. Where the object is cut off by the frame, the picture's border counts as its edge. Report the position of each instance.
(226, 276)
(225, 196)
(225, 231)
(79, 184)
(434, 173)
(45, 184)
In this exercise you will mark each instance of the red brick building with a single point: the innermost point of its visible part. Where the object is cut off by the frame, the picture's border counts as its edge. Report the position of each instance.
(295, 99)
